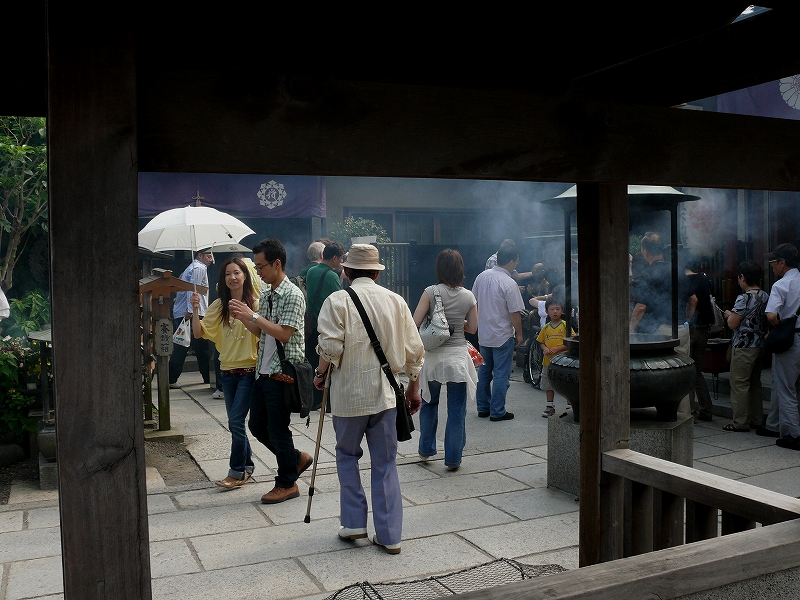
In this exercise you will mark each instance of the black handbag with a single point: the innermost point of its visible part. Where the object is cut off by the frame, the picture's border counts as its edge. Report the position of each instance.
(781, 337)
(297, 379)
(405, 424)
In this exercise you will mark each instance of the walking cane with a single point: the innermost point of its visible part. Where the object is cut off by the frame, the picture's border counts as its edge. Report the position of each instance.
(319, 438)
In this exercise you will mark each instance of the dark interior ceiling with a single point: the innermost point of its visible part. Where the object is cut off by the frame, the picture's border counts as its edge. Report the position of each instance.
(640, 53)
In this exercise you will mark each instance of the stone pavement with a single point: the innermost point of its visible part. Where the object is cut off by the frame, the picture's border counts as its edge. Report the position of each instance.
(208, 543)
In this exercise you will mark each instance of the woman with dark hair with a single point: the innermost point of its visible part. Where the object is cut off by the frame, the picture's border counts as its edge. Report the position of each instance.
(238, 351)
(450, 363)
(749, 325)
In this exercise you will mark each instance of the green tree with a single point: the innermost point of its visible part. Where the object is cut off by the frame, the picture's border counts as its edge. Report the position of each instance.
(342, 231)
(23, 188)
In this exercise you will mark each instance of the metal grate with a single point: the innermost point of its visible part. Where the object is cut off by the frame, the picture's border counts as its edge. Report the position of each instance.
(497, 572)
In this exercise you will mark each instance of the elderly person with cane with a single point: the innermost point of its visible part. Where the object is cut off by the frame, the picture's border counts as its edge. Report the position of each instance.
(363, 402)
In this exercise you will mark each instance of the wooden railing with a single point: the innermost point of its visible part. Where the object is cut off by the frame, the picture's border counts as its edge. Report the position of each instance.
(659, 518)
(659, 564)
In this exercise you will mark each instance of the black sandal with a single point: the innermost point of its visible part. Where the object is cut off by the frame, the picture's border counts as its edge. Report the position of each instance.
(732, 427)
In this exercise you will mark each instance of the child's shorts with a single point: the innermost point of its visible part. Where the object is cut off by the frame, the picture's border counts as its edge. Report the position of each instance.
(544, 384)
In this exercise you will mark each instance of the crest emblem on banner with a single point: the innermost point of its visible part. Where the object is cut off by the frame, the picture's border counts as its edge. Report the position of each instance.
(271, 194)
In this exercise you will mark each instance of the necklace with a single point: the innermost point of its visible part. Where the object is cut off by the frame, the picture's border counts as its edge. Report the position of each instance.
(231, 324)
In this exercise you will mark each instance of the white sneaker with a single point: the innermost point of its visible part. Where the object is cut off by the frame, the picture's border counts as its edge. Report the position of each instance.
(218, 395)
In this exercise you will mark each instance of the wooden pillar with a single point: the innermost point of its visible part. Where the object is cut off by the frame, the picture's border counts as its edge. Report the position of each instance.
(94, 277)
(602, 213)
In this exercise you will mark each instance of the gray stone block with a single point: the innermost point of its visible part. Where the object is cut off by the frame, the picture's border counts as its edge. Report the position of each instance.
(48, 473)
(671, 441)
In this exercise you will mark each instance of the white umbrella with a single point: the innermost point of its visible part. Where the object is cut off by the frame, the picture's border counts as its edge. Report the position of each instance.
(230, 247)
(191, 228)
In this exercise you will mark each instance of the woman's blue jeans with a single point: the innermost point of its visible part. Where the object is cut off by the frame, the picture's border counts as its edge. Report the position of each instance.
(455, 432)
(238, 389)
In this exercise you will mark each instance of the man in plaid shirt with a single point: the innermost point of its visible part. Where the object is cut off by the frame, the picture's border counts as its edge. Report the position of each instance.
(279, 317)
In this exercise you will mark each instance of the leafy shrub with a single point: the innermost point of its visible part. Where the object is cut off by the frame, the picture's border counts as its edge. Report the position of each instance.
(18, 363)
(27, 314)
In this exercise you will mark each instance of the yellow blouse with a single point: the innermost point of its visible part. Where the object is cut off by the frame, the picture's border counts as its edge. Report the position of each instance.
(238, 348)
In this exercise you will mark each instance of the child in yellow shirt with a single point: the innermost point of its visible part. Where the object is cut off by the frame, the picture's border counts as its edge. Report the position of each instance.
(551, 338)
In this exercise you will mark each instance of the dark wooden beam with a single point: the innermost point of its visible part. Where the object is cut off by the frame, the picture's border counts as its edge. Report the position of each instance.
(602, 215)
(753, 51)
(239, 122)
(94, 279)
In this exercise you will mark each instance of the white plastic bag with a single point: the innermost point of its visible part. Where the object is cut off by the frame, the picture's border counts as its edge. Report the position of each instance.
(183, 334)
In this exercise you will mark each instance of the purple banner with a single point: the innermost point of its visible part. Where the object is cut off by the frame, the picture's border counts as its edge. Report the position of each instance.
(779, 99)
(262, 196)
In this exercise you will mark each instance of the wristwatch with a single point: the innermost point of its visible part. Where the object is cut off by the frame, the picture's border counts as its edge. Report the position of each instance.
(255, 317)
(318, 374)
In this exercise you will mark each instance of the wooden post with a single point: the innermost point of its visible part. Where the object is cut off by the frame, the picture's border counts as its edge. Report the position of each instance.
(602, 212)
(92, 148)
(147, 348)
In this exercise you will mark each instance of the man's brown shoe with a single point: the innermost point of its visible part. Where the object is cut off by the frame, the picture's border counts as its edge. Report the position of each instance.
(279, 494)
(304, 462)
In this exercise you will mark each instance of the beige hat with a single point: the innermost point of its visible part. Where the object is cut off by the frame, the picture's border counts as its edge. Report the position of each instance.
(363, 256)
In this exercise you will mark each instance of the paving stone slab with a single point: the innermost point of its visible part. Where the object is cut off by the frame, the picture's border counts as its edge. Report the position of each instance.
(706, 468)
(446, 517)
(248, 494)
(703, 450)
(204, 521)
(463, 486)
(11, 521)
(257, 545)
(534, 503)
(539, 451)
(737, 441)
(39, 518)
(494, 461)
(171, 558)
(323, 506)
(277, 579)
(531, 475)
(418, 559)
(786, 481)
(526, 537)
(153, 480)
(756, 461)
(30, 544)
(160, 503)
(34, 578)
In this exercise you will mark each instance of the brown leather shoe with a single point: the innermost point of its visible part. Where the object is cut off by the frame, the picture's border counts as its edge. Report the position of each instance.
(279, 494)
(304, 462)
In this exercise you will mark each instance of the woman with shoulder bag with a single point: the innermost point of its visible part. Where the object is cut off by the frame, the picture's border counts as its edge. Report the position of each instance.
(749, 325)
(238, 351)
(449, 363)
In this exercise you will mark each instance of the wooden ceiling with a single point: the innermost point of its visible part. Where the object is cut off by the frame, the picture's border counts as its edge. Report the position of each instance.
(641, 53)
(351, 93)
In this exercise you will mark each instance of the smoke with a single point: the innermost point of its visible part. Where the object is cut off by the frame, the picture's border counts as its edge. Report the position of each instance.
(706, 224)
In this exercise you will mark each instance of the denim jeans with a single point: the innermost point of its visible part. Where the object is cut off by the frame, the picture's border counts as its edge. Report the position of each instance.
(238, 389)
(269, 424)
(455, 432)
(496, 366)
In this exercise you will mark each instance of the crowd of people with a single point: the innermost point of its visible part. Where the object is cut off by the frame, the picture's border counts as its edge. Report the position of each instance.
(263, 316)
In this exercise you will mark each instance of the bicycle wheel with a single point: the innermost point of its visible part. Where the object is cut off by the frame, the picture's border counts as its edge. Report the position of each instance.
(533, 366)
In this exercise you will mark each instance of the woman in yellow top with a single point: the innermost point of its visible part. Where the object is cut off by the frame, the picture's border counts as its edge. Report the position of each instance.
(238, 350)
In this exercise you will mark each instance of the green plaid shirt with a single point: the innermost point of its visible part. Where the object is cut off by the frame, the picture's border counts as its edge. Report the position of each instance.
(288, 308)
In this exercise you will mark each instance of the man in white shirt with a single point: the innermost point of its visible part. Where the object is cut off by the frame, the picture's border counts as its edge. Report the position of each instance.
(499, 332)
(363, 402)
(784, 301)
(196, 273)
